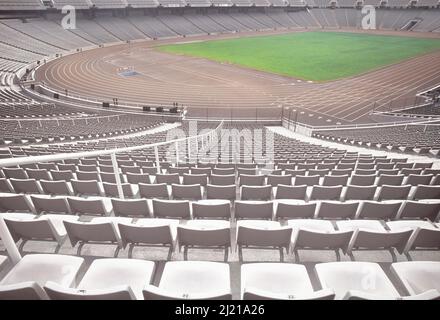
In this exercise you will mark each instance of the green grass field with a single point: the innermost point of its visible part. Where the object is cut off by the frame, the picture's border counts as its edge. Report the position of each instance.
(317, 56)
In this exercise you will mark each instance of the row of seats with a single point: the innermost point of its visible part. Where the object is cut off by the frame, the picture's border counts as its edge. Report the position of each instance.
(223, 209)
(343, 236)
(221, 191)
(40, 276)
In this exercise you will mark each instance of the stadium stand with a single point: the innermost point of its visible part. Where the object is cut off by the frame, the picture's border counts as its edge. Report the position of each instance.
(85, 182)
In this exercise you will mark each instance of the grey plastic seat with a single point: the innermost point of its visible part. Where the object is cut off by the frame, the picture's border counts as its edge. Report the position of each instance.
(371, 235)
(384, 210)
(251, 180)
(45, 228)
(330, 181)
(149, 232)
(306, 180)
(337, 210)
(314, 234)
(326, 193)
(38, 174)
(25, 186)
(212, 209)
(354, 192)
(362, 180)
(56, 188)
(394, 192)
(136, 178)
(151, 191)
(65, 175)
(94, 207)
(167, 178)
(291, 192)
(171, 209)
(424, 192)
(205, 234)
(286, 209)
(420, 210)
(111, 190)
(15, 203)
(44, 205)
(130, 208)
(87, 176)
(5, 186)
(98, 231)
(256, 192)
(15, 173)
(275, 180)
(188, 192)
(253, 210)
(191, 179)
(262, 235)
(86, 187)
(221, 192)
(222, 180)
(419, 179)
(392, 180)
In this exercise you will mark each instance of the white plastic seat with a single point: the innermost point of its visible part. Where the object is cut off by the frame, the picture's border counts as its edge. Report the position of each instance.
(364, 277)
(418, 276)
(110, 279)
(41, 268)
(192, 280)
(277, 281)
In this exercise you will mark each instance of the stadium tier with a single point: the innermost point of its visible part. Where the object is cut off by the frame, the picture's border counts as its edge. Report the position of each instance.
(216, 149)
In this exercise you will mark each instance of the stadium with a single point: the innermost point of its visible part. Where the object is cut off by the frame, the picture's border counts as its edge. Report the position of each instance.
(220, 150)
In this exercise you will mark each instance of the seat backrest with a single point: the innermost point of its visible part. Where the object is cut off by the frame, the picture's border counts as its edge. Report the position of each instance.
(326, 193)
(189, 192)
(394, 180)
(337, 210)
(251, 180)
(293, 211)
(226, 192)
(335, 180)
(222, 180)
(130, 208)
(195, 237)
(50, 205)
(158, 234)
(88, 187)
(211, 210)
(25, 185)
(362, 180)
(151, 191)
(253, 210)
(394, 192)
(420, 210)
(279, 237)
(427, 192)
(201, 179)
(87, 206)
(136, 178)
(291, 192)
(275, 180)
(379, 210)
(91, 232)
(306, 180)
(171, 209)
(354, 192)
(256, 192)
(55, 187)
(14, 203)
